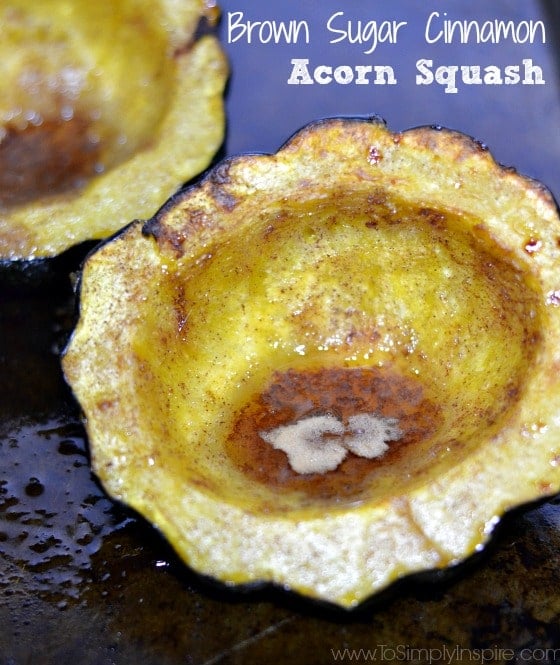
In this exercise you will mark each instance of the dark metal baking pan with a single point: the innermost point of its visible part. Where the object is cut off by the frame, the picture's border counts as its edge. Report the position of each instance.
(84, 580)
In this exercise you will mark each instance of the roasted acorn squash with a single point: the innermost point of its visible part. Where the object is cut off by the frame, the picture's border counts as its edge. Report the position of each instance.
(329, 367)
(106, 108)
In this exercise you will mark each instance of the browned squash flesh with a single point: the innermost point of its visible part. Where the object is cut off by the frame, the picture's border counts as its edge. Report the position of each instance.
(105, 110)
(330, 367)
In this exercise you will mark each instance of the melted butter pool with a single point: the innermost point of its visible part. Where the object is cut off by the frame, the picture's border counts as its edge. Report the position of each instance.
(53, 515)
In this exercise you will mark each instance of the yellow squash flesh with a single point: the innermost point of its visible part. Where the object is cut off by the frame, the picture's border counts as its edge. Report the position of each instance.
(357, 271)
(106, 109)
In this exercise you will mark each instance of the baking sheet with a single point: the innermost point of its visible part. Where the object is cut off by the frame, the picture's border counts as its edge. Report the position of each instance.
(84, 580)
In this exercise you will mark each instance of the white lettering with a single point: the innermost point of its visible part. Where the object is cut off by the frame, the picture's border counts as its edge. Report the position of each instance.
(264, 32)
(300, 73)
(533, 73)
(358, 32)
(438, 29)
(512, 76)
(493, 75)
(428, 30)
(471, 74)
(362, 71)
(448, 76)
(322, 74)
(384, 74)
(425, 68)
(343, 74)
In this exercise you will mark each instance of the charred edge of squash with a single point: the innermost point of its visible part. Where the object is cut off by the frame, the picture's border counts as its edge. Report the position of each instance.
(217, 176)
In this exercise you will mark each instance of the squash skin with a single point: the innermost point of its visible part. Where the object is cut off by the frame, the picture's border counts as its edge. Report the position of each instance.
(153, 101)
(137, 359)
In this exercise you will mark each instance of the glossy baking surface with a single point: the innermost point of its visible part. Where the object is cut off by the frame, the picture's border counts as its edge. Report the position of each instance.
(84, 580)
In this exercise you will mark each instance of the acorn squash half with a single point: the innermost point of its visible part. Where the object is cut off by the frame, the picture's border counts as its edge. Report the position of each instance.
(106, 109)
(329, 367)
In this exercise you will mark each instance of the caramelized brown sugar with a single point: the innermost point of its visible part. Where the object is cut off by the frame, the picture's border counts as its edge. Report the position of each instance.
(344, 392)
(361, 298)
(52, 158)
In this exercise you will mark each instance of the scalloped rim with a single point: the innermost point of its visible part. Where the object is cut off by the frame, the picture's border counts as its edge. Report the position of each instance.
(359, 550)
